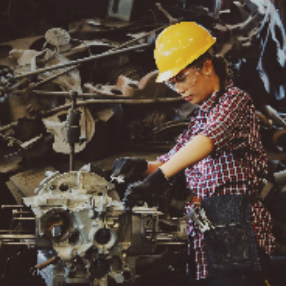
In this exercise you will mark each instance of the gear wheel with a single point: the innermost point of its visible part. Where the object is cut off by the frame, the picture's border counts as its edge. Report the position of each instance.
(57, 37)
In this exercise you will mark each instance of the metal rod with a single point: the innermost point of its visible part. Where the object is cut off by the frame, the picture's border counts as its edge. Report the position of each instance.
(101, 96)
(276, 156)
(13, 230)
(17, 236)
(24, 218)
(72, 161)
(87, 59)
(73, 96)
(108, 101)
(20, 212)
(172, 243)
(46, 263)
(141, 37)
(12, 206)
(8, 126)
(53, 77)
(20, 243)
(280, 178)
(17, 85)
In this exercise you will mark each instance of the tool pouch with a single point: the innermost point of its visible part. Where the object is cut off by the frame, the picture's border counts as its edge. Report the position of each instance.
(230, 243)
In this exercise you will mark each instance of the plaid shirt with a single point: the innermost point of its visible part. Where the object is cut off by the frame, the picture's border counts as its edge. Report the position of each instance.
(237, 165)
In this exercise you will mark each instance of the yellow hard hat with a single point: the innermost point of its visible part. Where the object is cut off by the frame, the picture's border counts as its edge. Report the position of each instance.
(178, 46)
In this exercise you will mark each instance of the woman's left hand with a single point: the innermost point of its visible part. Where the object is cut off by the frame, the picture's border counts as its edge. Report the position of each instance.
(139, 192)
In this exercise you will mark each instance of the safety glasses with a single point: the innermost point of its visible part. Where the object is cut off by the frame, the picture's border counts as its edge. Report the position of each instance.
(181, 77)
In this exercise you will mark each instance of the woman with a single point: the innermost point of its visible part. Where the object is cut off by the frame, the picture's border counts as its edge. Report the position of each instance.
(221, 154)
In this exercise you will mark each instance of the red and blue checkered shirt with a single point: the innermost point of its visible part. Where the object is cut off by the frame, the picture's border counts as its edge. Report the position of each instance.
(237, 166)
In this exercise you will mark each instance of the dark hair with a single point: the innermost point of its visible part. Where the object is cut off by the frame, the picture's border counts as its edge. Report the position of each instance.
(220, 66)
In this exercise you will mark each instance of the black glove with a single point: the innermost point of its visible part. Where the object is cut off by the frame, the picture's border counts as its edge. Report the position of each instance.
(140, 192)
(129, 167)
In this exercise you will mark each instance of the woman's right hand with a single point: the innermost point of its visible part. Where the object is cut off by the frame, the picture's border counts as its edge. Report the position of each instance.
(128, 167)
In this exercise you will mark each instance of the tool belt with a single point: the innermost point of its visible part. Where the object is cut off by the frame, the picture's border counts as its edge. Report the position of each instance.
(228, 235)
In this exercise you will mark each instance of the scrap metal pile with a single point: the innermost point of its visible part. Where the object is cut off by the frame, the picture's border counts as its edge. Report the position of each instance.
(89, 91)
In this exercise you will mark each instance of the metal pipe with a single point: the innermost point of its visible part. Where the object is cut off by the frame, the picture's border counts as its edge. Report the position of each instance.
(141, 37)
(276, 156)
(108, 101)
(24, 218)
(167, 14)
(12, 206)
(20, 212)
(172, 243)
(8, 126)
(53, 77)
(18, 84)
(75, 62)
(20, 243)
(17, 236)
(72, 155)
(73, 122)
(13, 230)
(104, 97)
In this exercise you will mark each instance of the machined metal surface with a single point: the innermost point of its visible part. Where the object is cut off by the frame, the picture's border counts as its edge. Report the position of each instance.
(86, 224)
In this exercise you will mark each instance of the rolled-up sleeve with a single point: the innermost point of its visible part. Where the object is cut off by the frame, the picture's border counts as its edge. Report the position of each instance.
(228, 121)
(182, 139)
(166, 157)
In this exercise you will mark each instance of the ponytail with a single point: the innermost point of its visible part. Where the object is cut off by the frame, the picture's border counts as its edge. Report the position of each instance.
(220, 67)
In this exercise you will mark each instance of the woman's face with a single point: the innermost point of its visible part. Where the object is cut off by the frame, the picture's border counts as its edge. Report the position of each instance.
(195, 85)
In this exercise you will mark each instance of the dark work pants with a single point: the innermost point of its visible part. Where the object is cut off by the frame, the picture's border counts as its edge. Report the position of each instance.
(253, 279)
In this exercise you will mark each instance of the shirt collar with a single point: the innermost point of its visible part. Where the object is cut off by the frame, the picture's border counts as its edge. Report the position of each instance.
(212, 100)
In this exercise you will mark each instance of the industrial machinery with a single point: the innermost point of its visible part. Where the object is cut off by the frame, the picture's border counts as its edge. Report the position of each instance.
(83, 93)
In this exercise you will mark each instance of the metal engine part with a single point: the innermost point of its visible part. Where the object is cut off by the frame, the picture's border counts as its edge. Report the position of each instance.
(57, 127)
(57, 37)
(93, 238)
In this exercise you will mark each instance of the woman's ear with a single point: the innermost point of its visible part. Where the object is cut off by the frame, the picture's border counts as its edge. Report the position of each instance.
(208, 67)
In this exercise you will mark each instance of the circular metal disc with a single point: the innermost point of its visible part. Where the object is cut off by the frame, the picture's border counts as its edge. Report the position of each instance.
(57, 37)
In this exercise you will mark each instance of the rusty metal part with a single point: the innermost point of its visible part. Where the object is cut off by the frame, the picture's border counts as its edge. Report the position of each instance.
(75, 62)
(57, 217)
(46, 263)
(280, 178)
(58, 128)
(271, 156)
(29, 180)
(279, 138)
(271, 113)
(264, 119)
(167, 14)
(8, 126)
(147, 87)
